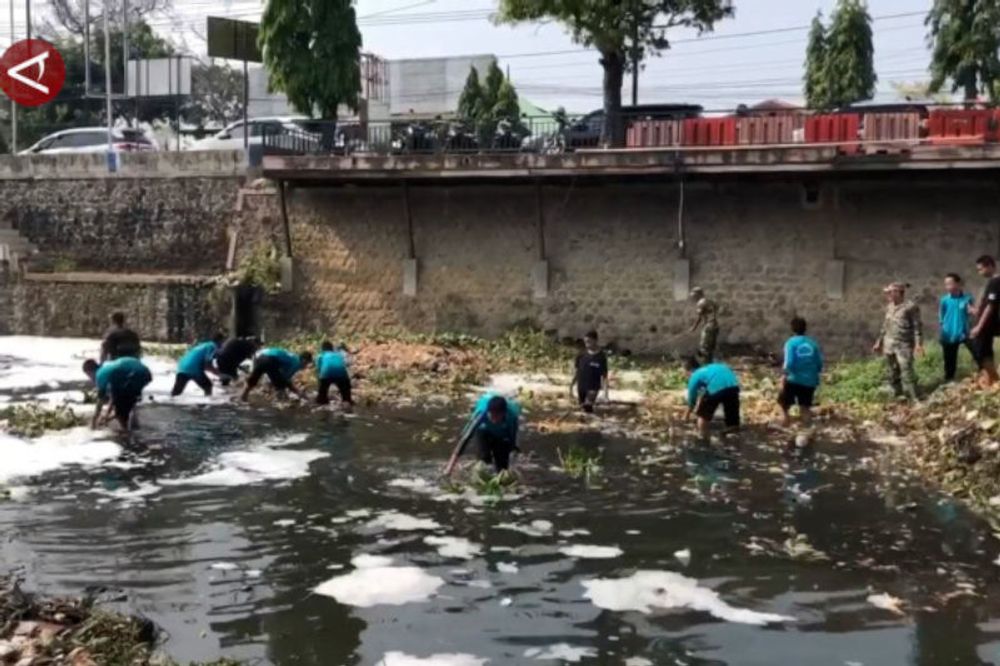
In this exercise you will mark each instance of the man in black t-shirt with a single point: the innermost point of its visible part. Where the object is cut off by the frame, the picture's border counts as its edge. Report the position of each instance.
(590, 373)
(120, 341)
(232, 354)
(987, 321)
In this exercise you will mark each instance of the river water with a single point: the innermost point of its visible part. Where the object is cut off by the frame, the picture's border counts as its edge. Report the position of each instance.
(297, 537)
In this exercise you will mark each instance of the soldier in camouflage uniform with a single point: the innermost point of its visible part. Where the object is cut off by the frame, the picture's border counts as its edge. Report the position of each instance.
(708, 320)
(900, 339)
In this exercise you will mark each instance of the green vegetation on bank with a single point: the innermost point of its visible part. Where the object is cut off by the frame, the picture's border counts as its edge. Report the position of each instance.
(35, 420)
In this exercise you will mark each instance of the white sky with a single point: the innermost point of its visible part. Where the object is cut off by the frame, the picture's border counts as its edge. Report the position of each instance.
(719, 71)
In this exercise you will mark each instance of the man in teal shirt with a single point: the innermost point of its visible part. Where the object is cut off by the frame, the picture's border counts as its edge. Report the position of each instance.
(802, 367)
(494, 423)
(709, 387)
(120, 384)
(195, 363)
(331, 370)
(953, 318)
(280, 366)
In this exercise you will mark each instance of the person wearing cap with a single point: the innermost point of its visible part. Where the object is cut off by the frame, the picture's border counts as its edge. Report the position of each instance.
(708, 321)
(900, 339)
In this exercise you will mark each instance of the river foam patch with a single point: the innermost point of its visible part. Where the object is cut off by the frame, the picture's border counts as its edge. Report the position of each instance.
(648, 590)
(76, 446)
(455, 547)
(376, 581)
(264, 461)
(450, 659)
(586, 552)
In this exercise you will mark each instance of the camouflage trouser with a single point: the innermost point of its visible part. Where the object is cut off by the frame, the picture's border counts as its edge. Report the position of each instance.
(900, 373)
(706, 345)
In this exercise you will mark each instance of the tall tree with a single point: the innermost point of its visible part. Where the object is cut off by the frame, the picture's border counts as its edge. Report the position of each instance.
(965, 35)
(216, 95)
(471, 100)
(619, 31)
(815, 76)
(850, 56)
(312, 52)
(69, 14)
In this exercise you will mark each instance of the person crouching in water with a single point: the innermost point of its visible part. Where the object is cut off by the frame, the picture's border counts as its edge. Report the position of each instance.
(801, 371)
(709, 387)
(331, 369)
(590, 373)
(232, 355)
(120, 384)
(280, 366)
(195, 364)
(494, 423)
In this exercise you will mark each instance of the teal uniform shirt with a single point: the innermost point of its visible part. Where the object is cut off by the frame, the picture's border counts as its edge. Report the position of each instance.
(122, 377)
(290, 363)
(803, 361)
(711, 379)
(331, 365)
(953, 317)
(506, 430)
(193, 363)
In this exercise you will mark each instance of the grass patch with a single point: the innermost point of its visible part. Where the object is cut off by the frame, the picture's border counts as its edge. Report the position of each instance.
(36, 420)
(862, 384)
(580, 463)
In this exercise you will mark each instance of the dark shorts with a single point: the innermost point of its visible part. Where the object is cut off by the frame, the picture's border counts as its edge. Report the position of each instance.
(123, 404)
(343, 384)
(587, 395)
(729, 399)
(270, 366)
(796, 394)
(982, 347)
(494, 450)
(202, 380)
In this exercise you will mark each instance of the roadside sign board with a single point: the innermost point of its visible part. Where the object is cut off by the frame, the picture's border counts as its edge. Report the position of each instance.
(159, 77)
(233, 40)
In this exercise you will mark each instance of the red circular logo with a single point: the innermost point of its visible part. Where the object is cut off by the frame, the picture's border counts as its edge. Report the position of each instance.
(32, 72)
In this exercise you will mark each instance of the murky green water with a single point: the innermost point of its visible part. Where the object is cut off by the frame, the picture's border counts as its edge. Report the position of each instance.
(188, 526)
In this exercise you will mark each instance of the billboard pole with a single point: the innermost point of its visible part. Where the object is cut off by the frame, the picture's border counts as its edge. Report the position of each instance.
(125, 58)
(107, 74)
(246, 103)
(13, 105)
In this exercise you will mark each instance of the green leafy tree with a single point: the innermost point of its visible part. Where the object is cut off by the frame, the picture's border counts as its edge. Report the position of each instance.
(471, 100)
(312, 52)
(619, 31)
(965, 36)
(216, 95)
(815, 77)
(485, 105)
(850, 55)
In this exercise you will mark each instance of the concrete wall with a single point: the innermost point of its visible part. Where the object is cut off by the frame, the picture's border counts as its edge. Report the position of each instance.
(166, 212)
(165, 312)
(752, 244)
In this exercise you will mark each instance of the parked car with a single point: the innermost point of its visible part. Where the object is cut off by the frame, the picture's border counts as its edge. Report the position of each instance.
(586, 131)
(92, 140)
(275, 128)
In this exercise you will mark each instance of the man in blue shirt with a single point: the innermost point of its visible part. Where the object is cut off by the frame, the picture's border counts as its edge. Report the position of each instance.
(953, 317)
(331, 369)
(494, 423)
(195, 363)
(280, 366)
(802, 368)
(708, 387)
(120, 384)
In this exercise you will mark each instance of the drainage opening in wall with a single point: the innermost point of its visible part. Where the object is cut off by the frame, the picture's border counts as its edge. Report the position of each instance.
(247, 301)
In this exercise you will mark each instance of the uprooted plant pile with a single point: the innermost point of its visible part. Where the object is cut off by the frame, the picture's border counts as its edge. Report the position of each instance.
(954, 437)
(34, 420)
(72, 632)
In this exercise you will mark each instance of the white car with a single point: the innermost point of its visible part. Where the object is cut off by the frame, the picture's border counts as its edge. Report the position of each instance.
(92, 140)
(231, 138)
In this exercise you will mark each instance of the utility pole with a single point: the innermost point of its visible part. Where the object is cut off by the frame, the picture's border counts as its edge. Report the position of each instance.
(635, 62)
(107, 77)
(27, 16)
(13, 105)
(125, 57)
